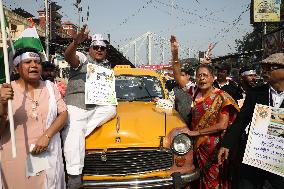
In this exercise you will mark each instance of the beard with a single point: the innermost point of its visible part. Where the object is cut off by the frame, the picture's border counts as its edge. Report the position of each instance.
(252, 83)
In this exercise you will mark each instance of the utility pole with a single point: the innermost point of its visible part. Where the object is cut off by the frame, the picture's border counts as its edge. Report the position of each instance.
(77, 5)
(46, 30)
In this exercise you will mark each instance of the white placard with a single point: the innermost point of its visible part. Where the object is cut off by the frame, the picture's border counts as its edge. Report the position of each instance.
(36, 163)
(100, 86)
(265, 145)
(164, 104)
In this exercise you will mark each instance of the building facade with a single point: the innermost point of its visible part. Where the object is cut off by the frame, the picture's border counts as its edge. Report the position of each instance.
(17, 24)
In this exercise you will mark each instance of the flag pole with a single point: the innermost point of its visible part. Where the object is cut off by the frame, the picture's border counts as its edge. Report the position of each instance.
(11, 41)
(12, 67)
(7, 74)
(46, 30)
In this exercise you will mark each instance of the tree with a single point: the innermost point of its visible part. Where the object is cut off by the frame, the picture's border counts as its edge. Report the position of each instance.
(55, 20)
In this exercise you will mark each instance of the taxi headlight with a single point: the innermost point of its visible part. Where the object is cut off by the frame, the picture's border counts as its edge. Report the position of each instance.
(181, 144)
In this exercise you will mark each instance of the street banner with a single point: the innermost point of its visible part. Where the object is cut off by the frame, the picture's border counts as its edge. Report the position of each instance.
(265, 145)
(266, 10)
(100, 86)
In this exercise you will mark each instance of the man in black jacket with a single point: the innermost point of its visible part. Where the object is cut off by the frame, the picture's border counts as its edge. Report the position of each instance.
(271, 94)
(247, 79)
(222, 82)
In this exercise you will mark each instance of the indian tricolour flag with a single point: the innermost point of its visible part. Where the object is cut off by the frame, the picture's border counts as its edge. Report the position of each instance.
(28, 38)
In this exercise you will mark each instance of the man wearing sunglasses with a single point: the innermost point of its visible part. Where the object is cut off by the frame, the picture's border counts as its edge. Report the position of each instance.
(82, 118)
(272, 94)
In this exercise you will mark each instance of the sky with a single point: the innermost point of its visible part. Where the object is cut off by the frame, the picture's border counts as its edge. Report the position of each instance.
(194, 22)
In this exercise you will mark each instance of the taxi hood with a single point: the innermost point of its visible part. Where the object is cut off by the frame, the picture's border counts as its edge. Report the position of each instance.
(137, 124)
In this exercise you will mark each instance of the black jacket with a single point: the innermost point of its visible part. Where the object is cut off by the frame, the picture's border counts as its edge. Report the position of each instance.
(235, 136)
(256, 95)
(232, 89)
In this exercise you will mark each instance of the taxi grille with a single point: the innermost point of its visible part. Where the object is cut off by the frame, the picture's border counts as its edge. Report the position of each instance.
(127, 162)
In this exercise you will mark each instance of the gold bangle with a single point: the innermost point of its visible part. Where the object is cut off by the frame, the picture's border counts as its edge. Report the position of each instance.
(175, 61)
(47, 136)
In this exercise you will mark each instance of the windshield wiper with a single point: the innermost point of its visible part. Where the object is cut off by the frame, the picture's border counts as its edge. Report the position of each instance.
(143, 97)
(123, 98)
(141, 86)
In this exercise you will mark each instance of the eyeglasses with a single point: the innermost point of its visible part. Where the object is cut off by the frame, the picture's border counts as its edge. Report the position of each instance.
(97, 47)
(202, 75)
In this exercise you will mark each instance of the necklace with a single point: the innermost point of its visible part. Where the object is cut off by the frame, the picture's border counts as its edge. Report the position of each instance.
(33, 113)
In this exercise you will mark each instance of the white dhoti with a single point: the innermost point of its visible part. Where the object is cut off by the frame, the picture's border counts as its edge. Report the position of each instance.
(80, 124)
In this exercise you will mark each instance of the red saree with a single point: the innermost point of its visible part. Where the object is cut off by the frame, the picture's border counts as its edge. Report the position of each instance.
(204, 115)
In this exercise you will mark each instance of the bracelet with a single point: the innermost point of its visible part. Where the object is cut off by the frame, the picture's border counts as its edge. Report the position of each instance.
(199, 132)
(175, 61)
(47, 136)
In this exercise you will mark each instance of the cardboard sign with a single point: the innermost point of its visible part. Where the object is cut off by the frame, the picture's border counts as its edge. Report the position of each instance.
(100, 86)
(265, 145)
(164, 104)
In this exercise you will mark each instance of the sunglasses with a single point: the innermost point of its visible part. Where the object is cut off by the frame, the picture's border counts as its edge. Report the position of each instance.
(271, 67)
(97, 47)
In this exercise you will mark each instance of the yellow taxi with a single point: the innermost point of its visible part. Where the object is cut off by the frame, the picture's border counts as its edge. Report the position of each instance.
(142, 147)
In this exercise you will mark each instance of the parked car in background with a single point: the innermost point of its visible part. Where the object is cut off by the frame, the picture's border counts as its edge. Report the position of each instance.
(142, 147)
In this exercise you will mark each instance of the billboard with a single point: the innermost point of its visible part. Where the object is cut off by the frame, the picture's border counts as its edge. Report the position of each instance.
(266, 10)
(273, 42)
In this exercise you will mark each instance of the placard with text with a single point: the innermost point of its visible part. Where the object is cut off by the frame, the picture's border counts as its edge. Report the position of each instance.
(100, 86)
(265, 145)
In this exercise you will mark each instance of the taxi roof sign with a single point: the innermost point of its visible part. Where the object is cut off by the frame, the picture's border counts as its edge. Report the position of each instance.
(118, 67)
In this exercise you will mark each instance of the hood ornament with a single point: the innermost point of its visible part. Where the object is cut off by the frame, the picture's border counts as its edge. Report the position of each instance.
(117, 124)
(117, 140)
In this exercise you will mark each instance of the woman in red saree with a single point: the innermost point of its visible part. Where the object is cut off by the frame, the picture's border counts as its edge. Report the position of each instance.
(212, 112)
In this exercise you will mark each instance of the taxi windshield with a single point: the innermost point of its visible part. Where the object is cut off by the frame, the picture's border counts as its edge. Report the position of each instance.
(137, 88)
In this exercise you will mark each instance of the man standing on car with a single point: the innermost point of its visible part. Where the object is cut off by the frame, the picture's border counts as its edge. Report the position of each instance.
(82, 118)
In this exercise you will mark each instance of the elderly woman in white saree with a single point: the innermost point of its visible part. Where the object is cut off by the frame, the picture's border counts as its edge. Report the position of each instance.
(39, 114)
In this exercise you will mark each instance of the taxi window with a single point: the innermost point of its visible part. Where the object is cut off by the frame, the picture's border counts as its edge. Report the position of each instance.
(137, 88)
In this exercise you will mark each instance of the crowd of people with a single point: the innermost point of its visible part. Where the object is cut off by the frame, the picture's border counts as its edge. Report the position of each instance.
(219, 119)
(43, 119)
(210, 105)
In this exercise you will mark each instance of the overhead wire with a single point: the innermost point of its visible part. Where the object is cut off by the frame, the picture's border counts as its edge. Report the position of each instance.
(189, 12)
(226, 30)
(135, 13)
